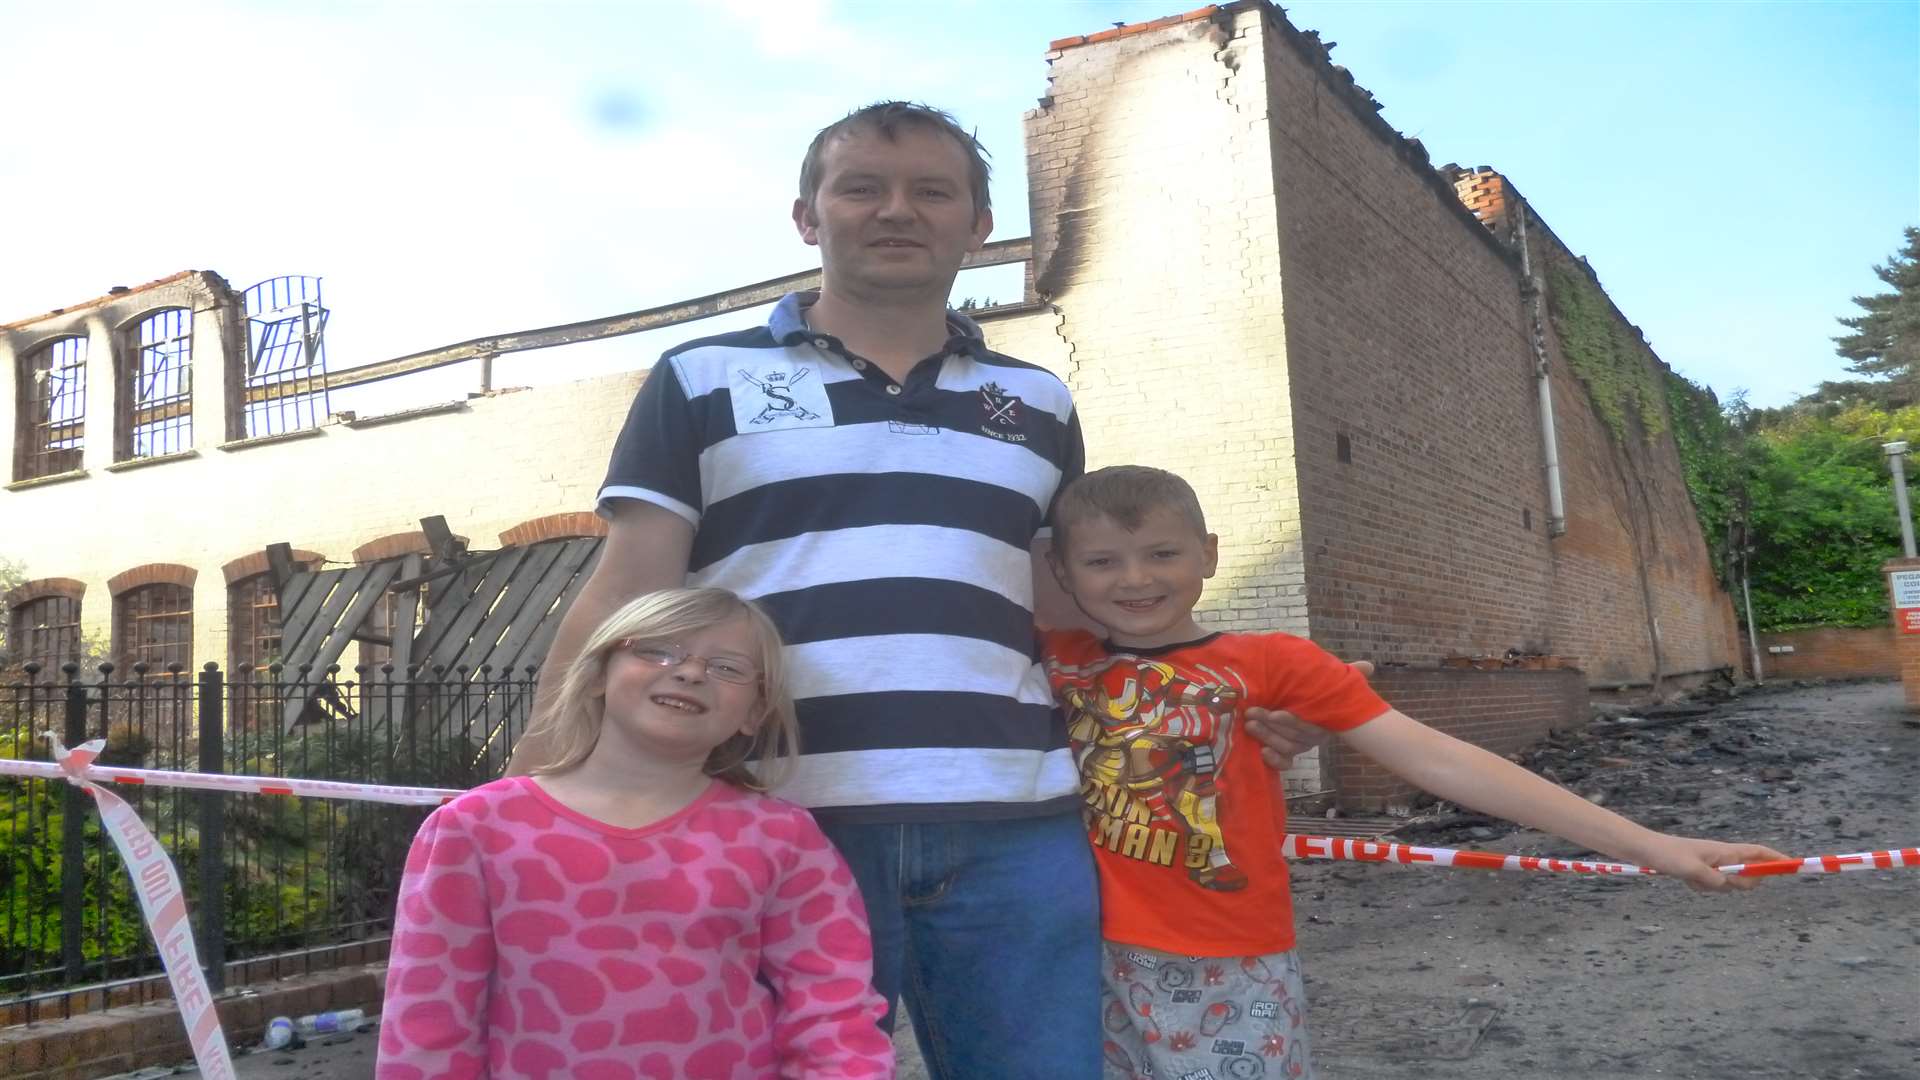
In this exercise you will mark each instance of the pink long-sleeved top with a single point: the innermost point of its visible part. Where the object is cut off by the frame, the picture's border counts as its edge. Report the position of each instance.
(725, 941)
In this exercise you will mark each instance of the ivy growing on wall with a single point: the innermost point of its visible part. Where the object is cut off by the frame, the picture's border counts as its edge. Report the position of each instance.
(1718, 463)
(1609, 359)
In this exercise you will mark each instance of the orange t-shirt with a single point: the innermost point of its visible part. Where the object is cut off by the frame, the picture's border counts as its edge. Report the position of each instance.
(1185, 819)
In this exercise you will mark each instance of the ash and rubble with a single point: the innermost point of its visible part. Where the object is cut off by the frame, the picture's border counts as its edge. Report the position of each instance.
(1653, 763)
(1434, 972)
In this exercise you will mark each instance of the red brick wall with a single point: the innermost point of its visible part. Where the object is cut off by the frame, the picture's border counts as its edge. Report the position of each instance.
(554, 526)
(255, 562)
(1409, 334)
(1406, 334)
(393, 545)
(151, 574)
(43, 587)
(1832, 652)
(1627, 510)
(1503, 711)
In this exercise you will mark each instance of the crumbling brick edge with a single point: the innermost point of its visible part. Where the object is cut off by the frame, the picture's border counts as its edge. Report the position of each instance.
(137, 1036)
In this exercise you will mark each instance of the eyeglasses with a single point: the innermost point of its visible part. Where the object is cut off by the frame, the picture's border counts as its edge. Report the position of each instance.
(668, 654)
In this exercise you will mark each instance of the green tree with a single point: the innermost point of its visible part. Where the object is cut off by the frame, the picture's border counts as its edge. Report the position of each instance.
(1885, 339)
(1822, 517)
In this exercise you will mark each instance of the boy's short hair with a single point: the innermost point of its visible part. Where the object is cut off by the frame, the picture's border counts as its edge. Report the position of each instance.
(1127, 494)
(888, 118)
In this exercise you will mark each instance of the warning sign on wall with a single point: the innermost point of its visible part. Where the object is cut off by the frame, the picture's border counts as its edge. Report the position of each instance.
(1906, 600)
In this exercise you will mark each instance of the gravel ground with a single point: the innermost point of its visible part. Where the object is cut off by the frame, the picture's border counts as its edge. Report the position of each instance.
(1805, 977)
(1436, 974)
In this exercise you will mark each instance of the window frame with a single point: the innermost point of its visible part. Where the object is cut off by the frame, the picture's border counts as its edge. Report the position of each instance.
(243, 622)
(38, 449)
(166, 333)
(19, 634)
(130, 649)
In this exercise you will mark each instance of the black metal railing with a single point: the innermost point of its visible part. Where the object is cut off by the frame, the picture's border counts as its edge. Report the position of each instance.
(271, 880)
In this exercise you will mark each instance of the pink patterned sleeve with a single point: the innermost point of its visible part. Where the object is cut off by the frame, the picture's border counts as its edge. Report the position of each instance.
(434, 1021)
(816, 953)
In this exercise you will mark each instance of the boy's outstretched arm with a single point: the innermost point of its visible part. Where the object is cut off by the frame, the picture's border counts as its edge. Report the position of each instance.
(1466, 774)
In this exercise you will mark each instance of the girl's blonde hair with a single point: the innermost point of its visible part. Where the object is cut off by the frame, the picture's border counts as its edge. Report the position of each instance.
(570, 725)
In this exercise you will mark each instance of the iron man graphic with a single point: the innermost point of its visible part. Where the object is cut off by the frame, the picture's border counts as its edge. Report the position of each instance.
(1140, 727)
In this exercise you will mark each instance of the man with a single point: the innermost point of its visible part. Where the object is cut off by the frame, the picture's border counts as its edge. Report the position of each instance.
(878, 479)
(873, 474)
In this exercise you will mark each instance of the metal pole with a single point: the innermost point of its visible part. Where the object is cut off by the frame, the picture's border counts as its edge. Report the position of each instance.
(74, 806)
(1896, 460)
(1753, 638)
(212, 931)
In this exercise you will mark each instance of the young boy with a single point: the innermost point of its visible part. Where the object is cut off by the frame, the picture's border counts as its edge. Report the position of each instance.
(1184, 818)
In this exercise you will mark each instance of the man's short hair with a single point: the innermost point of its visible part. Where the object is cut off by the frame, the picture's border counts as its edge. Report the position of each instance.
(888, 118)
(1126, 494)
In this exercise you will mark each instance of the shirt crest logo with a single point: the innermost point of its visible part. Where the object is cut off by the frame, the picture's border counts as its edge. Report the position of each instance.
(778, 396)
(1003, 413)
(780, 403)
(1002, 408)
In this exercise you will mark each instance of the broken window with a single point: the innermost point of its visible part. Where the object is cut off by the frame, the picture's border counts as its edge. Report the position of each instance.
(46, 631)
(153, 624)
(53, 410)
(253, 621)
(286, 376)
(155, 406)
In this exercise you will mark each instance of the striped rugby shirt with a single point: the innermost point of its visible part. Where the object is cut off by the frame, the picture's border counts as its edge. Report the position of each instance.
(886, 528)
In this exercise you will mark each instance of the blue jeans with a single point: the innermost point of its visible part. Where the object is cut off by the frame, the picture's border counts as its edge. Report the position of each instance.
(991, 931)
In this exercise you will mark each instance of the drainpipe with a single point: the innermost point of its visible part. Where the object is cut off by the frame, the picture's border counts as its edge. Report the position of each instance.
(1556, 501)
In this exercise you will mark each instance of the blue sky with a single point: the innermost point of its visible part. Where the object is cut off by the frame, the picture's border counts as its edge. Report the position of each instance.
(1732, 171)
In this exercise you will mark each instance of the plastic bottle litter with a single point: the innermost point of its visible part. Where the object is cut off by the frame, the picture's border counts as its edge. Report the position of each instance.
(279, 1033)
(330, 1023)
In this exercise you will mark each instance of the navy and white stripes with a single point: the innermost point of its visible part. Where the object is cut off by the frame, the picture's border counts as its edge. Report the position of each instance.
(886, 527)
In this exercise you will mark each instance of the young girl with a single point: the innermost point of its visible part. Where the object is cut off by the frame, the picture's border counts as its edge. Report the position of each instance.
(639, 907)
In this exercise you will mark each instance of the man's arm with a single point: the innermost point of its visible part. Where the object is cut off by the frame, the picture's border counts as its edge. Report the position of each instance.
(1053, 609)
(1283, 736)
(646, 550)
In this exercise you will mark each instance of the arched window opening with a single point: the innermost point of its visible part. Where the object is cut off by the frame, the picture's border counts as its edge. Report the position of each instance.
(286, 375)
(253, 621)
(154, 624)
(156, 392)
(46, 631)
(53, 410)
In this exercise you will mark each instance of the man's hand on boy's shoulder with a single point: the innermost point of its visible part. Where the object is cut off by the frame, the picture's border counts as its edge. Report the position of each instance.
(1283, 736)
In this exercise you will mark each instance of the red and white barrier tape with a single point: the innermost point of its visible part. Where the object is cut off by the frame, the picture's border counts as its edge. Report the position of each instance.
(162, 901)
(157, 883)
(258, 785)
(1337, 847)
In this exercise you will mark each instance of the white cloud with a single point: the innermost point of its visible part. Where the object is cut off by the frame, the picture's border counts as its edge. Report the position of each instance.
(793, 28)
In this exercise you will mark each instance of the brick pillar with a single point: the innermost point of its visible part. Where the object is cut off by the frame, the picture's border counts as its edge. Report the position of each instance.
(1903, 595)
